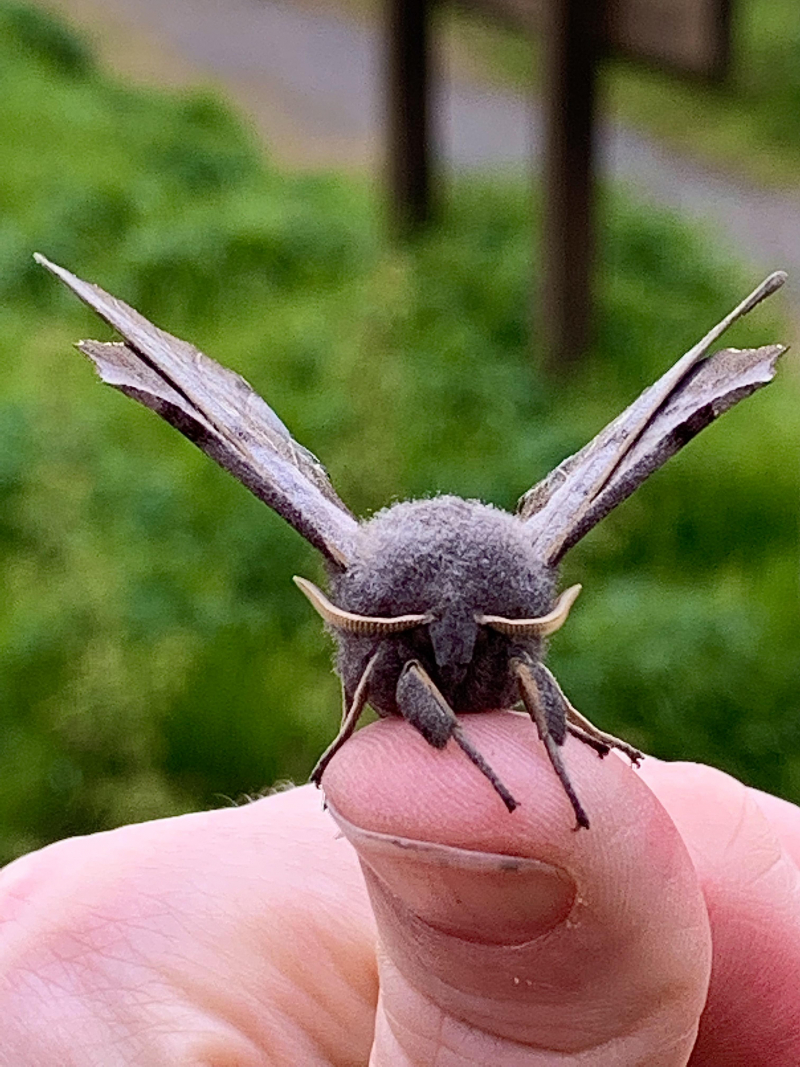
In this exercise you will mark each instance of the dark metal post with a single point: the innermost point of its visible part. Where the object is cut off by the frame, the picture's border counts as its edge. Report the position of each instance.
(571, 53)
(409, 141)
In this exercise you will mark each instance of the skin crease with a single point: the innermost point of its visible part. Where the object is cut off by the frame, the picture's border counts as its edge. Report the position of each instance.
(246, 936)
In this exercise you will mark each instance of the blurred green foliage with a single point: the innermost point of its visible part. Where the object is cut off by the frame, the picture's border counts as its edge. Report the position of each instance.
(154, 655)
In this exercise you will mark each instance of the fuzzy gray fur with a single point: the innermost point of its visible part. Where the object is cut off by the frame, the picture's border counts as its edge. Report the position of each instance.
(454, 559)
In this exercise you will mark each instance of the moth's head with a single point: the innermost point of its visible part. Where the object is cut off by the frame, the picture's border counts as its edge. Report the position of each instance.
(455, 574)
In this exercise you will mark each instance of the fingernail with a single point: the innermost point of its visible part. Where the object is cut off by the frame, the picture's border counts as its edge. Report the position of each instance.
(484, 897)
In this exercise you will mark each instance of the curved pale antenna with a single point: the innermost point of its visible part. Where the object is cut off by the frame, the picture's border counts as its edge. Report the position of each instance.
(541, 627)
(365, 625)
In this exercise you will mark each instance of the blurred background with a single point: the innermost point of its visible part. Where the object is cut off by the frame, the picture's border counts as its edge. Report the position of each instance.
(236, 171)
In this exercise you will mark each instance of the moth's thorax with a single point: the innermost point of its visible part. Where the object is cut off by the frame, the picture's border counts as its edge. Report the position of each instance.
(434, 555)
(453, 559)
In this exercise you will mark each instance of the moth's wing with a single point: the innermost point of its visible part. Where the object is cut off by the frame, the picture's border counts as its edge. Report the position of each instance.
(217, 410)
(567, 504)
(583, 489)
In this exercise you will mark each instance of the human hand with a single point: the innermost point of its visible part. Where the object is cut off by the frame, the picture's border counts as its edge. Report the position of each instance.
(246, 936)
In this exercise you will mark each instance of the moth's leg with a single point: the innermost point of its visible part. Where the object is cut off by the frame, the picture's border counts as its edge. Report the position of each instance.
(349, 722)
(544, 705)
(423, 706)
(577, 722)
(599, 746)
(346, 702)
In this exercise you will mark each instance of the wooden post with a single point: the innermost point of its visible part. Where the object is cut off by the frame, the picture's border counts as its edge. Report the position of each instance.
(409, 141)
(572, 44)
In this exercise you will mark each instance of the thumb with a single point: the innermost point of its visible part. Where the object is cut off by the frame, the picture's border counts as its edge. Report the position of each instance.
(512, 939)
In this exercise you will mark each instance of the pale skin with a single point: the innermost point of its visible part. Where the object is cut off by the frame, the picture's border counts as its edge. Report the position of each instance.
(247, 936)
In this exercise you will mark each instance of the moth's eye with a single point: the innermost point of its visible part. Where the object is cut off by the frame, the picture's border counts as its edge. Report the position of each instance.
(541, 627)
(364, 625)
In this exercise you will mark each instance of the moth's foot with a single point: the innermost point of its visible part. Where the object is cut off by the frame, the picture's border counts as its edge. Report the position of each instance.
(581, 820)
(602, 742)
(633, 754)
(601, 748)
(315, 778)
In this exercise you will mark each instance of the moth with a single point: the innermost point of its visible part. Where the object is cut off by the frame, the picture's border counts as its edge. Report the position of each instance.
(439, 607)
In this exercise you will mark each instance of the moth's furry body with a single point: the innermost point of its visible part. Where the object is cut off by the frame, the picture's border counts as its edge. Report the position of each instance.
(453, 559)
(439, 606)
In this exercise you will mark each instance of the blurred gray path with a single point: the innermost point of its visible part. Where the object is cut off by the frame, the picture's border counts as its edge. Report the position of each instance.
(310, 78)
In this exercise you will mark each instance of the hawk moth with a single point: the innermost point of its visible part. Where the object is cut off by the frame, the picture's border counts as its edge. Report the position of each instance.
(439, 606)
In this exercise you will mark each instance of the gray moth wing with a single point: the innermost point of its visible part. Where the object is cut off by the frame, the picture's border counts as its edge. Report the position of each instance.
(220, 412)
(582, 490)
